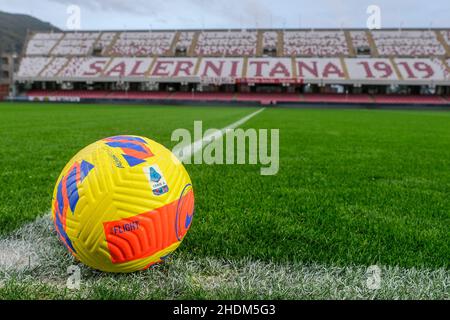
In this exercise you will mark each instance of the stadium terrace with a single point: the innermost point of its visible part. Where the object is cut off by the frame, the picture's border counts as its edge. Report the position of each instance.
(236, 61)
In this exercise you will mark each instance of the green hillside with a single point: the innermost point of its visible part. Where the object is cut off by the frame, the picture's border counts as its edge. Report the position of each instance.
(14, 27)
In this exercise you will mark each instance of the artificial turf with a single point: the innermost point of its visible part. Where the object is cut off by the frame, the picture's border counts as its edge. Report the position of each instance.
(355, 187)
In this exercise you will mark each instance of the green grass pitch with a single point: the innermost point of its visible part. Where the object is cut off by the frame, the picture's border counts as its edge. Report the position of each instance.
(355, 188)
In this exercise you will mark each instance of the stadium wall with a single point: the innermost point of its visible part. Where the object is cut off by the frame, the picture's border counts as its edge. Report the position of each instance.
(263, 100)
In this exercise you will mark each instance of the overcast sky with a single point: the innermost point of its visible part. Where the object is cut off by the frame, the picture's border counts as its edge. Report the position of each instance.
(195, 14)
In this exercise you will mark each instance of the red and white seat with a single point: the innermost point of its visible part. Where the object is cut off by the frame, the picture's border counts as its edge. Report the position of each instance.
(407, 43)
(104, 41)
(54, 67)
(138, 44)
(40, 44)
(227, 43)
(185, 40)
(360, 40)
(76, 44)
(446, 36)
(270, 40)
(32, 66)
(315, 43)
(76, 67)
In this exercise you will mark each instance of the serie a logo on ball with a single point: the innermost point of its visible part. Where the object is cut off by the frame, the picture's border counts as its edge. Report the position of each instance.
(123, 204)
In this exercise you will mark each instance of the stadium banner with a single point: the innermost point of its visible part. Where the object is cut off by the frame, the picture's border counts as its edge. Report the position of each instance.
(54, 99)
(269, 68)
(163, 68)
(221, 68)
(131, 67)
(371, 69)
(84, 68)
(238, 70)
(252, 81)
(320, 68)
(422, 69)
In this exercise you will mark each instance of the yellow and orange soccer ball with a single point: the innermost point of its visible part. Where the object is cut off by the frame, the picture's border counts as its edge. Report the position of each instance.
(123, 204)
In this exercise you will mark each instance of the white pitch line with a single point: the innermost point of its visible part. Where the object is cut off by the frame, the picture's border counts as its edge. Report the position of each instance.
(188, 151)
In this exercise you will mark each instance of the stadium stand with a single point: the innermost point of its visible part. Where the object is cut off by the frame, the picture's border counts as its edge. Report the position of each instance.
(446, 36)
(411, 43)
(32, 66)
(315, 43)
(41, 44)
(238, 43)
(54, 67)
(227, 43)
(75, 67)
(184, 42)
(270, 39)
(266, 66)
(104, 42)
(141, 44)
(75, 44)
(360, 42)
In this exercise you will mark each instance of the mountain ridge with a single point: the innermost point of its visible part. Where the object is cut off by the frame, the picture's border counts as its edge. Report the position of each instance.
(14, 29)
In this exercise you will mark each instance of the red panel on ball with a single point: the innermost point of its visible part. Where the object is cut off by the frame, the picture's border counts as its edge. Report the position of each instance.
(146, 234)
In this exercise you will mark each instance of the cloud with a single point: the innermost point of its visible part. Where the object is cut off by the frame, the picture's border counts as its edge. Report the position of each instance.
(140, 7)
(170, 14)
(232, 11)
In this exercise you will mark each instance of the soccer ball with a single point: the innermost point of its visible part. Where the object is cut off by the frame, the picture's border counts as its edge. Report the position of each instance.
(123, 204)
